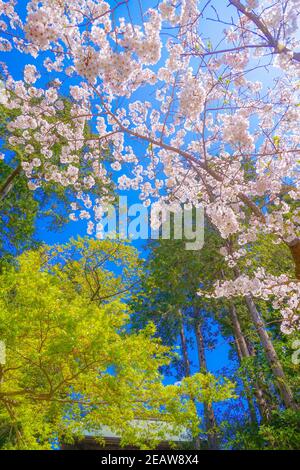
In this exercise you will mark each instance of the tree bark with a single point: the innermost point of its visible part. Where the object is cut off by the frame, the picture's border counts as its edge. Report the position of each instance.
(294, 247)
(209, 415)
(186, 361)
(244, 352)
(273, 360)
(240, 339)
(187, 368)
(8, 183)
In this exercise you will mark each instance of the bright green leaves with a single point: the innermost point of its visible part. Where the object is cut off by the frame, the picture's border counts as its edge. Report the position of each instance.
(72, 364)
(276, 140)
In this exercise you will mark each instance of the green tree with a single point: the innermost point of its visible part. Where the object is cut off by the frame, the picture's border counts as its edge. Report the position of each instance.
(168, 296)
(72, 365)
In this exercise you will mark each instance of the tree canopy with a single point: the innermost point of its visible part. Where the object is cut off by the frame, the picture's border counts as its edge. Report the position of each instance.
(72, 365)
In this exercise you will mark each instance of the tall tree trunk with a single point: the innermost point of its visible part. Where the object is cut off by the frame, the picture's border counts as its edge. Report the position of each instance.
(187, 368)
(240, 339)
(209, 415)
(244, 352)
(8, 183)
(248, 392)
(186, 361)
(271, 355)
(294, 247)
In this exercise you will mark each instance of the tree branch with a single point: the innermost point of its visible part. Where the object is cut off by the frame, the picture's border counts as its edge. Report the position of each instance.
(7, 185)
(271, 41)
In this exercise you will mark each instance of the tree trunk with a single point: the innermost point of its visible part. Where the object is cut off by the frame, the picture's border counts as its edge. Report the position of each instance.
(240, 339)
(271, 355)
(209, 415)
(294, 247)
(187, 368)
(244, 352)
(8, 183)
(186, 361)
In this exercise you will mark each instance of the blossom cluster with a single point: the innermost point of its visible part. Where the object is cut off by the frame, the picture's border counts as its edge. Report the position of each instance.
(182, 117)
(283, 293)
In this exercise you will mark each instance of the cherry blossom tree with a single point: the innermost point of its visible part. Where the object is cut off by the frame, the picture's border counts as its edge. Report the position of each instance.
(187, 119)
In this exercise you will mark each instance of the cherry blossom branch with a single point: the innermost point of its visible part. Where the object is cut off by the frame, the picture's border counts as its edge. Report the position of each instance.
(271, 41)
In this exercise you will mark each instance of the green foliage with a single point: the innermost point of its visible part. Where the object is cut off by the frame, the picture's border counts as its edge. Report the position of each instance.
(168, 296)
(18, 214)
(73, 366)
(283, 431)
(99, 270)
